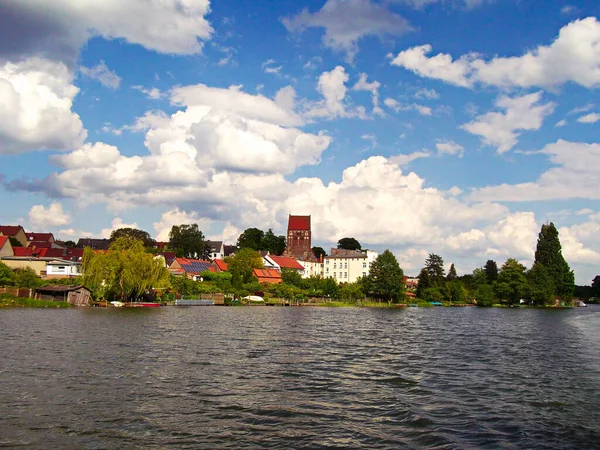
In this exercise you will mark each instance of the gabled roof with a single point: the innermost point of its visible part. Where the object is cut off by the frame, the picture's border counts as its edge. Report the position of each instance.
(285, 262)
(10, 230)
(222, 265)
(213, 246)
(96, 244)
(30, 252)
(70, 254)
(194, 266)
(46, 237)
(343, 253)
(40, 244)
(60, 288)
(228, 250)
(266, 273)
(3, 240)
(299, 223)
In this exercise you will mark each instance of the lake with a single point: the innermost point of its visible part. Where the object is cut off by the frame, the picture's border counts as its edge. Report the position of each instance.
(300, 377)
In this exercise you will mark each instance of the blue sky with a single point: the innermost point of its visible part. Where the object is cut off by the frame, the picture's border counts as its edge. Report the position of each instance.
(449, 126)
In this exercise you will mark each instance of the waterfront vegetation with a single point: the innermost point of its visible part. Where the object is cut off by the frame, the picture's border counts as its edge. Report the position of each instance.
(8, 300)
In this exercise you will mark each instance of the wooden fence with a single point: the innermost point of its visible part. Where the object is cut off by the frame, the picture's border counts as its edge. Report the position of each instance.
(18, 292)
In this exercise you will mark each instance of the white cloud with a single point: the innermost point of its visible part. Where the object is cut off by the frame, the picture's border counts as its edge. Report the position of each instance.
(152, 93)
(589, 118)
(560, 123)
(580, 243)
(396, 106)
(42, 218)
(404, 159)
(269, 67)
(116, 223)
(585, 211)
(429, 94)
(102, 74)
(450, 147)
(177, 216)
(347, 21)
(573, 57)
(363, 85)
(574, 177)
(332, 86)
(392, 103)
(313, 63)
(500, 129)
(423, 110)
(36, 96)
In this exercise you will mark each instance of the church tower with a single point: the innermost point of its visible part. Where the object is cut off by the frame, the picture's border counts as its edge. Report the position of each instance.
(298, 237)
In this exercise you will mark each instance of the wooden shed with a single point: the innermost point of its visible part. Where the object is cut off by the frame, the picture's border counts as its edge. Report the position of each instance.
(75, 295)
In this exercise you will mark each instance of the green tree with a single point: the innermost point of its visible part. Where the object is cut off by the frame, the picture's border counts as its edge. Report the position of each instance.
(491, 271)
(386, 277)
(435, 267)
(352, 291)
(331, 288)
(451, 273)
(242, 264)
(484, 295)
(424, 283)
(70, 244)
(187, 241)
(134, 233)
(540, 284)
(7, 276)
(548, 252)
(125, 271)
(291, 277)
(596, 286)
(512, 283)
(275, 245)
(27, 278)
(479, 277)
(348, 243)
(251, 238)
(319, 252)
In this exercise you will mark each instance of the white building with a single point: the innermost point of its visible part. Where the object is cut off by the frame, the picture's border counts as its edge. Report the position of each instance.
(311, 268)
(216, 249)
(346, 266)
(59, 268)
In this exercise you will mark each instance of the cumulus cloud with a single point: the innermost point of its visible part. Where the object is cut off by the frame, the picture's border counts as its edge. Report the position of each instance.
(575, 176)
(57, 29)
(363, 85)
(430, 94)
(573, 57)
(116, 223)
(404, 159)
(332, 86)
(501, 129)
(177, 216)
(102, 74)
(36, 96)
(396, 106)
(42, 218)
(589, 118)
(151, 93)
(450, 148)
(347, 21)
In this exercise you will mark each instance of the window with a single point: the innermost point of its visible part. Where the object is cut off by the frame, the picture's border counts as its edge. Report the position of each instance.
(345, 265)
(364, 274)
(364, 265)
(335, 265)
(345, 274)
(334, 274)
(327, 270)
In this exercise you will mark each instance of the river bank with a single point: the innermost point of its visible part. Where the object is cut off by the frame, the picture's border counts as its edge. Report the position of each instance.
(11, 301)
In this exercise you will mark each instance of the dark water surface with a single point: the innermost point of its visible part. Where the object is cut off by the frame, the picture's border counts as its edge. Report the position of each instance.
(261, 377)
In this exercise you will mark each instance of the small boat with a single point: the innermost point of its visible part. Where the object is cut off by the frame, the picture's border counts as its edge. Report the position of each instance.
(149, 305)
(117, 304)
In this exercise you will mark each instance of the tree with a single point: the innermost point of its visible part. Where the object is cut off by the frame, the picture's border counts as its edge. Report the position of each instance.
(386, 277)
(424, 283)
(126, 271)
(7, 276)
(512, 284)
(187, 240)
(548, 252)
(291, 277)
(352, 291)
(451, 273)
(275, 245)
(540, 284)
(348, 244)
(484, 295)
(140, 235)
(70, 244)
(242, 264)
(319, 252)
(251, 238)
(479, 277)
(435, 267)
(27, 278)
(596, 286)
(491, 271)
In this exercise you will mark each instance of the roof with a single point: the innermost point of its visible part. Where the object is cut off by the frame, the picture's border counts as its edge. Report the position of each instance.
(213, 246)
(40, 244)
(266, 273)
(299, 223)
(60, 289)
(96, 244)
(285, 262)
(30, 251)
(10, 230)
(228, 250)
(46, 237)
(70, 254)
(3, 240)
(222, 265)
(343, 253)
(193, 265)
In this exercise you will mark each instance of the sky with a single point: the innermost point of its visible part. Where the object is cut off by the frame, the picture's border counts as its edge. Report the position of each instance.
(455, 127)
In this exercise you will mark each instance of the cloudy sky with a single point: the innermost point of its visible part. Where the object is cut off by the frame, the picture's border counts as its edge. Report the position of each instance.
(449, 126)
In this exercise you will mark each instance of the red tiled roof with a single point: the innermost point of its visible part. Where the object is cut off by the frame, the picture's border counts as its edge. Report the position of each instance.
(285, 262)
(46, 237)
(10, 230)
(3, 240)
(266, 273)
(222, 265)
(40, 244)
(299, 223)
(28, 251)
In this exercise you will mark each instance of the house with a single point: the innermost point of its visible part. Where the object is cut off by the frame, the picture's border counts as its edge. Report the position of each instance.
(191, 268)
(312, 268)
(346, 266)
(298, 241)
(42, 240)
(229, 250)
(219, 265)
(285, 262)
(75, 295)
(16, 232)
(38, 265)
(95, 244)
(270, 276)
(6, 249)
(59, 268)
(215, 249)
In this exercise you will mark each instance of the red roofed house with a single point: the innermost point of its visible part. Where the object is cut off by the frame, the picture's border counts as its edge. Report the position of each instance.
(219, 265)
(191, 268)
(40, 240)
(16, 232)
(285, 262)
(6, 249)
(298, 237)
(270, 276)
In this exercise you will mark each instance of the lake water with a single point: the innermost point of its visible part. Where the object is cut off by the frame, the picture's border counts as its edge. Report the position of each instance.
(272, 377)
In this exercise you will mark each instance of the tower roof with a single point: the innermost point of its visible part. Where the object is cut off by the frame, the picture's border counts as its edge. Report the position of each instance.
(299, 223)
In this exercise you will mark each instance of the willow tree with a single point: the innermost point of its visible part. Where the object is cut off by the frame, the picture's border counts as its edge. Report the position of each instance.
(125, 270)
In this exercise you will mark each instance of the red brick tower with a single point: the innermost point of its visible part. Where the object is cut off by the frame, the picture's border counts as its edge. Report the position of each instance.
(298, 237)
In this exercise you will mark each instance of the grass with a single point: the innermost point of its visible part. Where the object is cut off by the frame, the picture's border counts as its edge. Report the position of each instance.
(8, 301)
